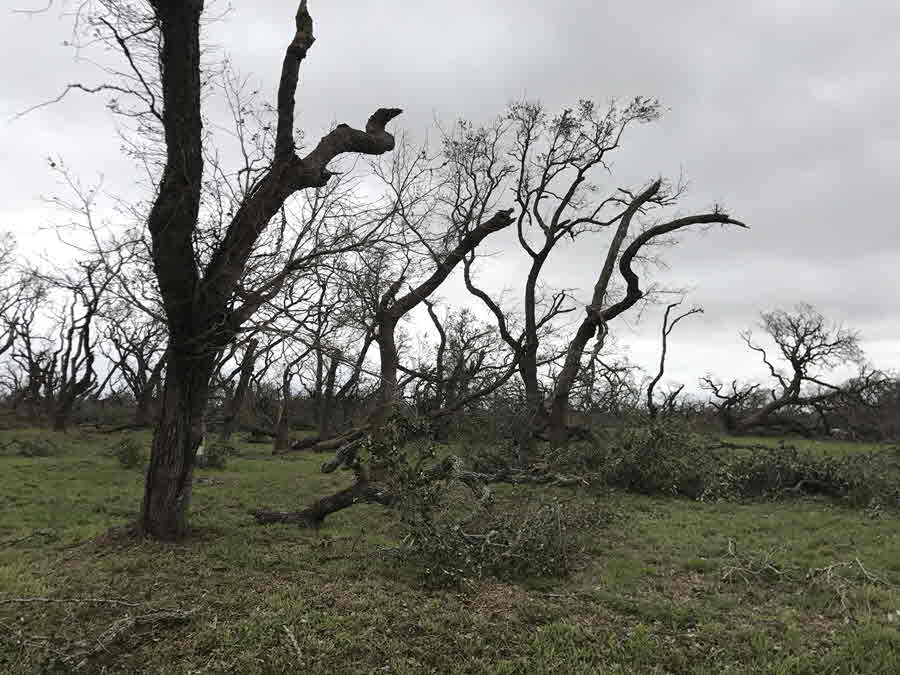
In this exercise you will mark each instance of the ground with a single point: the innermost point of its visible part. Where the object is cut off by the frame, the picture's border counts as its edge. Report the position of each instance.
(658, 585)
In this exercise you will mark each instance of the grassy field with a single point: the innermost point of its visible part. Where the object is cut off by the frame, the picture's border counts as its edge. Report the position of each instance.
(657, 585)
(816, 446)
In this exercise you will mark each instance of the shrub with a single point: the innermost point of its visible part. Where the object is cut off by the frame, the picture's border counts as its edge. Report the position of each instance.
(37, 447)
(130, 453)
(451, 533)
(664, 457)
(861, 480)
(449, 550)
(215, 455)
(658, 458)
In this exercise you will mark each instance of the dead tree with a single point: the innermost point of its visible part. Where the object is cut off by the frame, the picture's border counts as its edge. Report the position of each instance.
(70, 374)
(391, 308)
(668, 403)
(282, 437)
(600, 312)
(551, 163)
(468, 363)
(136, 344)
(806, 347)
(206, 303)
(733, 401)
(18, 289)
(235, 401)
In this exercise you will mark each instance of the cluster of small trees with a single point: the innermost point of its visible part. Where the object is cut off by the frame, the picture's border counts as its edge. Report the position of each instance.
(262, 270)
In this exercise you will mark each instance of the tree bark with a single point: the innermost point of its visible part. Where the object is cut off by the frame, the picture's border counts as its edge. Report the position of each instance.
(178, 434)
(61, 415)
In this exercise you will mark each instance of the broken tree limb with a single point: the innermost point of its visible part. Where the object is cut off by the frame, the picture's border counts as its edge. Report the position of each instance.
(100, 645)
(367, 491)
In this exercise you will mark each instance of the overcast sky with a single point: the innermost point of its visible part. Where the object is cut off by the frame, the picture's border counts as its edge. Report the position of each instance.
(785, 111)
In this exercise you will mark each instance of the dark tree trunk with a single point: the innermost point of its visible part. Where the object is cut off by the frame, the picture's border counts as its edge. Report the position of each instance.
(388, 391)
(171, 222)
(199, 313)
(142, 410)
(327, 404)
(178, 434)
(61, 415)
(143, 413)
(282, 439)
(558, 421)
(236, 402)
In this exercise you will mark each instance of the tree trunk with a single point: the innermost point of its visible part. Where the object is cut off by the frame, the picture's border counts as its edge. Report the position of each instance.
(178, 434)
(236, 402)
(326, 409)
(61, 417)
(282, 441)
(142, 410)
(388, 391)
(62, 410)
(534, 403)
(559, 407)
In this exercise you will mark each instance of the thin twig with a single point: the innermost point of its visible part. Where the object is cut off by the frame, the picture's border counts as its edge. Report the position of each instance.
(293, 641)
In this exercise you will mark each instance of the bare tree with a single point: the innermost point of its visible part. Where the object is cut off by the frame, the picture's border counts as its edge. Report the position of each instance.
(235, 401)
(71, 372)
(552, 163)
(15, 289)
(135, 344)
(453, 377)
(391, 308)
(282, 438)
(732, 401)
(806, 348)
(668, 402)
(205, 304)
(600, 312)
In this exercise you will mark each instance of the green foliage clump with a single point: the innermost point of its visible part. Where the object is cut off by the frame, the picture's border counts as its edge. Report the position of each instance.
(130, 453)
(449, 550)
(215, 455)
(658, 458)
(861, 480)
(662, 457)
(37, 447)
(454, 534)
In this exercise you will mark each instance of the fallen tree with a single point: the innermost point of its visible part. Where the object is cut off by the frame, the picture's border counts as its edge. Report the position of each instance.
(383, 474)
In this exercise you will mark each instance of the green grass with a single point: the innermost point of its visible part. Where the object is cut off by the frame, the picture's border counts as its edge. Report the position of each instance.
(823, 447)
(647, 593)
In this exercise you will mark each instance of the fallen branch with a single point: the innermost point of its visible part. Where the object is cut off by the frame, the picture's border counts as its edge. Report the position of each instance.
(318, 444)
(292, 639)
(828, 577)
(35, 533)
(362, 491)
(748, 567)
(367, 491)
(82, 601)
(79, 659)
